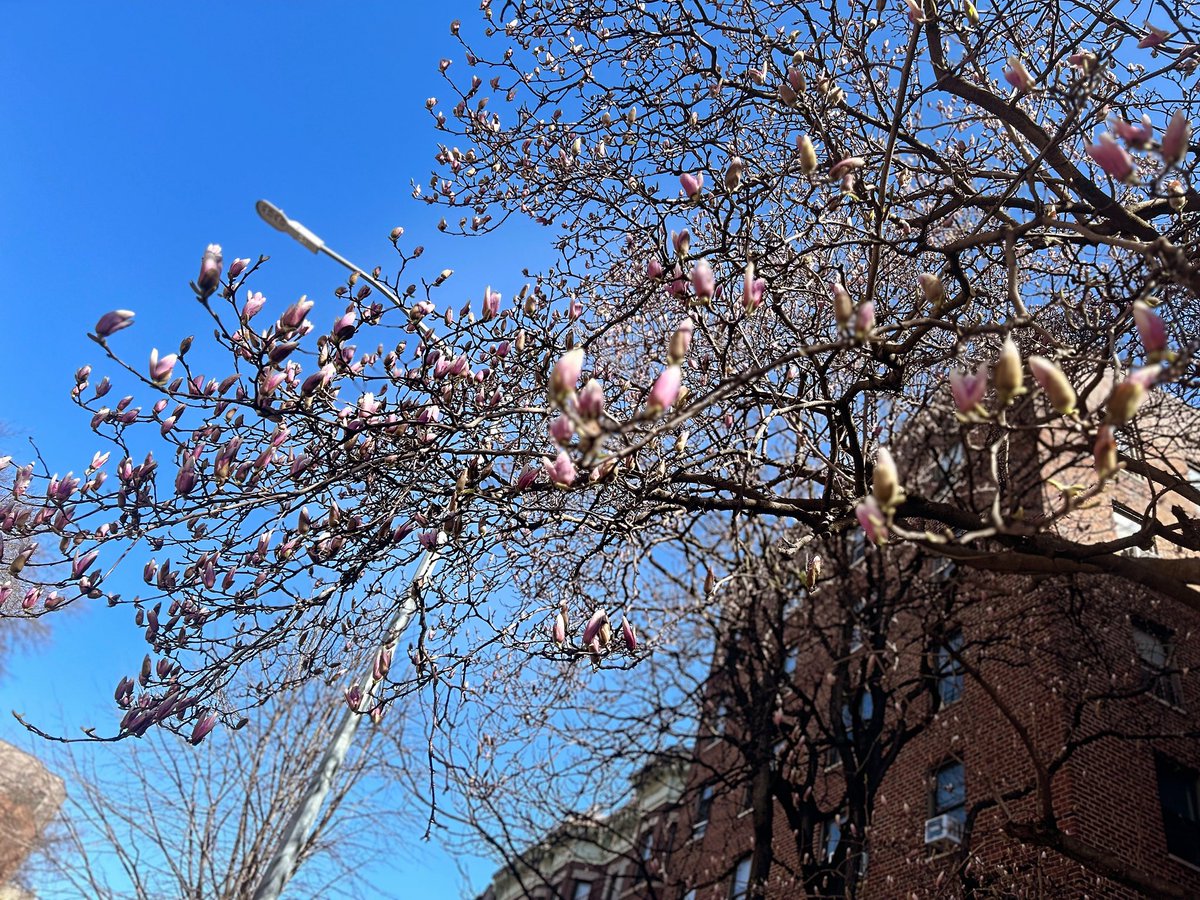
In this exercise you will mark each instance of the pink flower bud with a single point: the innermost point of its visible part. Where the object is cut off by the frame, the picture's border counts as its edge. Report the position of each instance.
(209, 278)
(237, 267)
(654, 269)
(807, 154)
(681, 342)
(968, 390)
(1151, 330)
(1104, 453)
(1009, 377)
(916, 13)
(885, 486)
(1112, 158)
(566, 374)
(1017, 75)
(703, 281)
(160, 369)
(592, 628)
(562, 430)
(344, 327)
(682, 241)
(1138, 135)
(932, 289)
(1085, 61)
(843, 306)
(1055, 384)
(753, 290)
(561, 470)
(293, 316)
(590, 401)
(692, 184)
(679, 284)
(848, 164)
(665, 391)
(491, 303)
(872, 520)
(1127, 396)
(558, 632)
(1175, 139)
(630, 636)
(203, 726)
(527, 477)
(1153, 37)
(864, 320)
(112, 322)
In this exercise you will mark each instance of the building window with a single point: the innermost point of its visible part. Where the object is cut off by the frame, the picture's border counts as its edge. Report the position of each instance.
(866, 709)
(614, 887)
(1180, 799)
(646, 844)
(791, 660)
(1126, 523)
(831, 836)
(690, 895)
(583, 890)
(856, 546)
(1156, 651)
(703, 808)
(948, 791)
(739, 886)
(949, 670)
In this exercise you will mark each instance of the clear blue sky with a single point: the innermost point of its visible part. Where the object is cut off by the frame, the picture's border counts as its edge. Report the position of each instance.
(136, 133)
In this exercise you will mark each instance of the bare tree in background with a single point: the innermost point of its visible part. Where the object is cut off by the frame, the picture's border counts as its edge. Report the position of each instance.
(157, 819)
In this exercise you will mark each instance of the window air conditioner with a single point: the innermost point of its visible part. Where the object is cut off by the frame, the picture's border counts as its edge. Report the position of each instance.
(943, 831)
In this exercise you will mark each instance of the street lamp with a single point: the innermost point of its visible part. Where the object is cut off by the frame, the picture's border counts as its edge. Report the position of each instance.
(275, 217)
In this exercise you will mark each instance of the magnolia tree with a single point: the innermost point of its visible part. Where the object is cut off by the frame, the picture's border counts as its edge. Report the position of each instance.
(786, 231)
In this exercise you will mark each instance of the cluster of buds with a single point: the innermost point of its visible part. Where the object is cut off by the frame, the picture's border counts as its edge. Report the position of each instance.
(1007, 377)
(877, 509)
(1115, 160)
(857, 321)
(597, 636)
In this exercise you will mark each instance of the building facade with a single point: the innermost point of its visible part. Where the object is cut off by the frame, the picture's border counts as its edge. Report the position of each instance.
(909, 726)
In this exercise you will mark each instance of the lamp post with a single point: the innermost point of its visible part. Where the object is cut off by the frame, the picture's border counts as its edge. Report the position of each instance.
(291, 842)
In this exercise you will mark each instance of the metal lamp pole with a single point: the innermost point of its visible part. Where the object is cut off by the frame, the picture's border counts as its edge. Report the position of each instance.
(287, 855)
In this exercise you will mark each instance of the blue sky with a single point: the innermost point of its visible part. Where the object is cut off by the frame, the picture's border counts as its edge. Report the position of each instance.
(135, 134)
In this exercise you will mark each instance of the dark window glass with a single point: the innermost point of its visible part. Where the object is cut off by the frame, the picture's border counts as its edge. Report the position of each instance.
(1180, 801)
(703, 807)
(949, 671)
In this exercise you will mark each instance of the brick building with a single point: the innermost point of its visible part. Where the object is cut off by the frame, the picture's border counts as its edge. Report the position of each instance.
(913, 728)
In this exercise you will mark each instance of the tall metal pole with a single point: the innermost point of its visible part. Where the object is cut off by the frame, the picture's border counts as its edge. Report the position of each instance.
(287, 855)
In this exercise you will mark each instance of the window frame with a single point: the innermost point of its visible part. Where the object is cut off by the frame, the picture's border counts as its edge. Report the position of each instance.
(582, 883)
(704, 804)
(936, 808)
(948, 670)
(736, 892)
(1164, 681)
